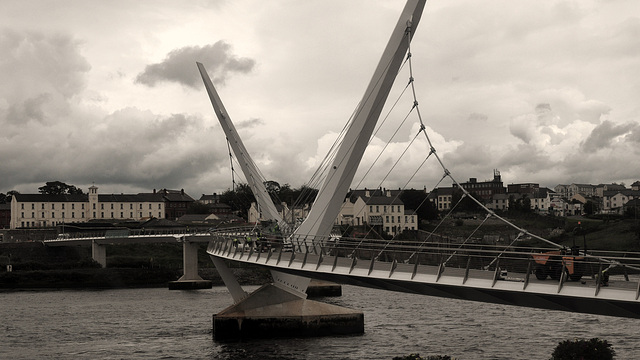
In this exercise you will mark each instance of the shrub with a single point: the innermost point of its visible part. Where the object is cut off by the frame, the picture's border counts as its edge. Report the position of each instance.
(593, 349)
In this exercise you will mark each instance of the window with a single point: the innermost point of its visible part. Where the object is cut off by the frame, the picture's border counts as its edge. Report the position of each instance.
(94, 214)
(387, 218)
(149, 208)
(33, 214)
(140, 209)
(159, 214)
(101, 206)
(73, 215)
(21, 206)
(131, 214)
(53, 206)
(121, 214)
(73, 206)
(33, 206)
(377, 208)
(22, 214)
(63, 214)
(82, 214)
(121, 205)
(159, 206)
(102, 214)
(62, 206)
(130, 206)
(112, 207)
(53, 215)
(94, 207)
(42, 206)
(42, 214)
(112, 214)
(384, 208)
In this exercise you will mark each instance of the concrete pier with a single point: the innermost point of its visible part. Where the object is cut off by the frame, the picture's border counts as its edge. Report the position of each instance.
(99, 253)
(273, 312)
(190, 279)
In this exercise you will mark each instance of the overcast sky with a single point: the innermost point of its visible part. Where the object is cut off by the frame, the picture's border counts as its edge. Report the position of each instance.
(108, 93)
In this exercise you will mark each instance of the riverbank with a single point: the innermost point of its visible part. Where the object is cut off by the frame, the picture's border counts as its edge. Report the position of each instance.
(112, 278)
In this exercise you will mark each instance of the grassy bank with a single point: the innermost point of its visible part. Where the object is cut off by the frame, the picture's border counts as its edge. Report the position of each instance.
(137, 265)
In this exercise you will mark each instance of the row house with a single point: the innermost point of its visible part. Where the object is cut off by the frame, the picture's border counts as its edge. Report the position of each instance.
(568, 191)
(46, 210)
(381, 207)
(613, 202)
(441, 198)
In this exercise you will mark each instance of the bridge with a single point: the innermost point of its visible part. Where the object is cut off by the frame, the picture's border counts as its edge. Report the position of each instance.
(588, 282)
(190, 241)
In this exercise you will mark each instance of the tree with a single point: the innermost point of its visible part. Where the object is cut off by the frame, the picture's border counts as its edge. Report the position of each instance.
(5, 199)
(240, 200)
(417, 200)
(594, 349)
(58, 188)
(466, 204)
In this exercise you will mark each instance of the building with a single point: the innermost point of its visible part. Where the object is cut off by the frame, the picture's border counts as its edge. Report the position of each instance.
(380, 208)
(601, 188)
(177, 202)
(441, 198)
(613, 202)
(526, 188)
(484, 189)
(45, 210)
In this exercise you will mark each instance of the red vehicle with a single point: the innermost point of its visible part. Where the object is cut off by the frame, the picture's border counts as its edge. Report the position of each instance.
(550, 264)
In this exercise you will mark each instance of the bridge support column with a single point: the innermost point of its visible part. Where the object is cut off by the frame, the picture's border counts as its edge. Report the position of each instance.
(190, 279)
(99, 253)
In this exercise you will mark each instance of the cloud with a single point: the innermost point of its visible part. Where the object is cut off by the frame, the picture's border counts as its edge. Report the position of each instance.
(34, 62)
(605, 134)
(251, 123)
(179, 65)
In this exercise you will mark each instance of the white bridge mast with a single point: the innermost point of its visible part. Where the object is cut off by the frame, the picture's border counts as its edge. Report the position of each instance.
(249, 168)
(325, 209)
(319, 222)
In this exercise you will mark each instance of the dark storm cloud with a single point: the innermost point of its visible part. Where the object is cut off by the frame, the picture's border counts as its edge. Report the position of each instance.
(604, 134)
(179, 65)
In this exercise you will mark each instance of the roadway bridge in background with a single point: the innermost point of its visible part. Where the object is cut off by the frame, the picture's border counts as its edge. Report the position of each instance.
(190, 240)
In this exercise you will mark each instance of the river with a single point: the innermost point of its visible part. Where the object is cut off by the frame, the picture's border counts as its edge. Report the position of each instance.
(161, 324)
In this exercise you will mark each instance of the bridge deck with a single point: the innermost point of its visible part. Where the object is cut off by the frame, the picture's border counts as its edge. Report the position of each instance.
(518, 287)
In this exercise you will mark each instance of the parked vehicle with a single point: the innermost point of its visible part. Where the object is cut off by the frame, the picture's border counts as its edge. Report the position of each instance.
(551, 263)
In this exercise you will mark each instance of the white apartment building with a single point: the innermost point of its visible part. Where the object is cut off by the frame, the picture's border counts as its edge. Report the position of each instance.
(44, 210)
(378, 207)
